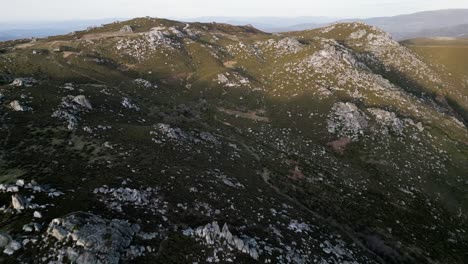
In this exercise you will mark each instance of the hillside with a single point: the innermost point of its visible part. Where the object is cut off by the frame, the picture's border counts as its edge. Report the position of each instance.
(157, 141)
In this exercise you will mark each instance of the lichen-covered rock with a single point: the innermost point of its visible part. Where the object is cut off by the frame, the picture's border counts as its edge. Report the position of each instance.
(94, 239)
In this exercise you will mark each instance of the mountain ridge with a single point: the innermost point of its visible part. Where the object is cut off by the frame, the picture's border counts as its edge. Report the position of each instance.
(198, 142)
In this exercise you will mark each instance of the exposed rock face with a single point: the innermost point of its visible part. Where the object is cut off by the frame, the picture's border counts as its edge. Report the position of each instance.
(95, 239)
(347, 120)
(126, 29)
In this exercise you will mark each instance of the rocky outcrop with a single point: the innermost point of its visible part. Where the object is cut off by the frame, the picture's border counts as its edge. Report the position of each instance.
(70, 109)
(332, 57)
(94, 239)
(127, 103)
(126, 29)
(212, 235)
(289, 45)
(120, 198)
(347, 120)
(388, 120)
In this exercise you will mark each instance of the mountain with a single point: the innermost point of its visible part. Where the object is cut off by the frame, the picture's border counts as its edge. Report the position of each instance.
(11, 31)
(157, 141)
(440, 23)
(267, 24)
(458, 31)
(419, 24)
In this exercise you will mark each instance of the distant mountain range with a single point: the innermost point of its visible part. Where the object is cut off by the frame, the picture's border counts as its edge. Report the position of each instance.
(269, 24)
(9, 31)
(441, 23)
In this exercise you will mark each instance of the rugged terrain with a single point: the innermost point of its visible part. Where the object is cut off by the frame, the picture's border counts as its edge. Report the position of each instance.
(155, 141)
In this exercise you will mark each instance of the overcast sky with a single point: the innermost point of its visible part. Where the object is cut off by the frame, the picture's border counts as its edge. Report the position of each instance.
(51, 10)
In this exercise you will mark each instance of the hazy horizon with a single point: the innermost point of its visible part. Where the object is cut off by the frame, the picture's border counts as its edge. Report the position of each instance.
(26, 11)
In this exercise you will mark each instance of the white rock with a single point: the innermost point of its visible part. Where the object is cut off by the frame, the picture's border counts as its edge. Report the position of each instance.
(58, 232)
(20, 183)
(347, 120)
(37, 214)
(12, 247)
(127, 103)
(4, 239)
(126, 29)
(19, 202)
(12, 189)
(83, 101)
(16, 106)
(28, 228)
(18, 82)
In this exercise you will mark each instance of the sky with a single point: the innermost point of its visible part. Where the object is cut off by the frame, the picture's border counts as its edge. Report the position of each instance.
(59, 10)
